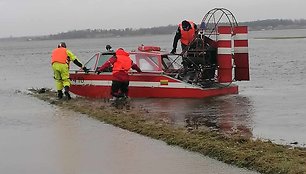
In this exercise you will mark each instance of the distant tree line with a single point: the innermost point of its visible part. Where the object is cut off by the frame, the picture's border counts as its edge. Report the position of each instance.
(268, 24)
(103, 33)
(275, 24)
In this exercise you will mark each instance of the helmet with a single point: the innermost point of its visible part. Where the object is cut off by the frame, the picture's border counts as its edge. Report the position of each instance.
(62, 44)
(108, 47)
(186, 25)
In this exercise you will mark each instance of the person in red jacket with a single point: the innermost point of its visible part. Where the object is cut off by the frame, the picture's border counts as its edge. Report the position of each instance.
(185, 32)
(121, 63)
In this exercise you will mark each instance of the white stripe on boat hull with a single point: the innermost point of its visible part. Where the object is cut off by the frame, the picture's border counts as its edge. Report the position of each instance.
(137, 84)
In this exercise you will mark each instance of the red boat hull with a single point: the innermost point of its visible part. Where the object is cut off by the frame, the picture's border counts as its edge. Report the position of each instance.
(145, 85)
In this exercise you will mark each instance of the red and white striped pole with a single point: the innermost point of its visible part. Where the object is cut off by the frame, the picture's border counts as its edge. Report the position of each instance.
(241, 55)
(224, 57)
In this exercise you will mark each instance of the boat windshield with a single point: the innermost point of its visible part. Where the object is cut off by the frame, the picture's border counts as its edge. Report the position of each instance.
(103, 58)
(97, 60)
(147, 62)
(90, 64)
(171, 62)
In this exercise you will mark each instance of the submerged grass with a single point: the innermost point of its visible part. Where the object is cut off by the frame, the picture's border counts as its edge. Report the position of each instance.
(261, 156)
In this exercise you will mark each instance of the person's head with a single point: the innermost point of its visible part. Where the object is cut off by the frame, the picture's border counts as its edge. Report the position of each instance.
(108, 47)
(186, 25)
(120, 51)
(62, 45)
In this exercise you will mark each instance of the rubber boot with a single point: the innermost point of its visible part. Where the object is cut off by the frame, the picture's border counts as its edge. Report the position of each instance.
(66, 88)
(59, 94)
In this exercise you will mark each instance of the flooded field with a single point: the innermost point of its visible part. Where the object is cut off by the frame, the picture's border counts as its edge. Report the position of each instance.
(36, 137)
(270, 106)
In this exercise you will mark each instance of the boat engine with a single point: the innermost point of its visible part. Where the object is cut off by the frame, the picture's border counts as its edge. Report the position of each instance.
(219, 46)
(200, 61)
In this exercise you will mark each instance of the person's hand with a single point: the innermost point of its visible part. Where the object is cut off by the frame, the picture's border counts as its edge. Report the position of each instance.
(173, 51)
(86, 70)
(97, 71)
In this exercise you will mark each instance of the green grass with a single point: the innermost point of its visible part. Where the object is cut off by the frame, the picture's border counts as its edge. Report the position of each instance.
(257, 155)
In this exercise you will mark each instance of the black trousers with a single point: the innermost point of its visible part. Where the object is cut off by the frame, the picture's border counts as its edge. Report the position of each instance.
(120, 88)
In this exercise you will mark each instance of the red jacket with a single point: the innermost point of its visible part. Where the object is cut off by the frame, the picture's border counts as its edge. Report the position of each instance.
(187, 36)
(123, 62)
(59, 55)
(118, 75)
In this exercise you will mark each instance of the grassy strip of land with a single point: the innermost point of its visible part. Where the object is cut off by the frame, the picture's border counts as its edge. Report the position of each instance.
(257, 155)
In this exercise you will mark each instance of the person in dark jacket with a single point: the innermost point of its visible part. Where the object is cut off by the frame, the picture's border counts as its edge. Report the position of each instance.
(121, 63)
(185, 32)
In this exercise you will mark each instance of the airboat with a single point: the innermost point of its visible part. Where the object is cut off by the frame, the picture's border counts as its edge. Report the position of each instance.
(213, 62)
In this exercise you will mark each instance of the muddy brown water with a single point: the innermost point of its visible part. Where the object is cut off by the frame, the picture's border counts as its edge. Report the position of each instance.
(34, 133)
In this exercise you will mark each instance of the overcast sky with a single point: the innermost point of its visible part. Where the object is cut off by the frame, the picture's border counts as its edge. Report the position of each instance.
(44, 17)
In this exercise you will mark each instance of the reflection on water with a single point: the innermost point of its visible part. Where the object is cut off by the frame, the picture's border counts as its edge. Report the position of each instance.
(229, 114)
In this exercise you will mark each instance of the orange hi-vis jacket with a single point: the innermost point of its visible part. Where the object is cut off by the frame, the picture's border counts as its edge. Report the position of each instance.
(123, 62)
(187, 36)
(59, 55)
